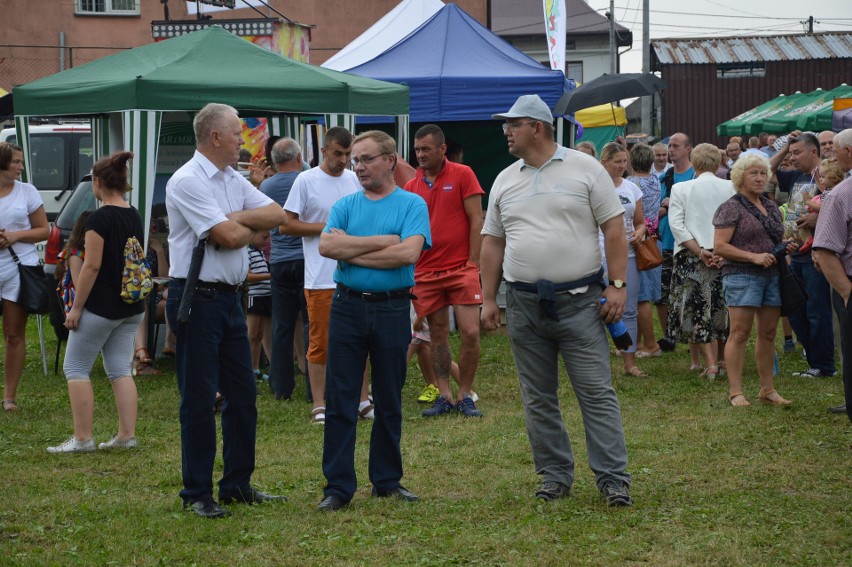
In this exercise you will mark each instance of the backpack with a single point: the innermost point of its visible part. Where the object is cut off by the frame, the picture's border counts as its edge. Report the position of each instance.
(136, 280)
(65, 289)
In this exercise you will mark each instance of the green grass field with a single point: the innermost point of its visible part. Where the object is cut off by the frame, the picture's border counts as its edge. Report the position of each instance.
(712, 485)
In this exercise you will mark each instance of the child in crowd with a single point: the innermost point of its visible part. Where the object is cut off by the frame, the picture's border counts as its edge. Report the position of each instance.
(421, 345)
(827, 176)
(259, 313)
(71, 260)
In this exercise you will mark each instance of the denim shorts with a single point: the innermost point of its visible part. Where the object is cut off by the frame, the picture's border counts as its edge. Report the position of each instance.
(745, 290)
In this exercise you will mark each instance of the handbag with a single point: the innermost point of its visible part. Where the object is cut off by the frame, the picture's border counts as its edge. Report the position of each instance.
(648, 255)
(793, 293)
(34, 288)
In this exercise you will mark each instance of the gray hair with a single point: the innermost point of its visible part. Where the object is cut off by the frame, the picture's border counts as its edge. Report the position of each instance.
(209, 118)
(284, 150)
(843, 139)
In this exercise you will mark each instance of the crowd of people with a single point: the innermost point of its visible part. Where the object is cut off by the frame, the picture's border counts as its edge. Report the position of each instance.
(345, 258)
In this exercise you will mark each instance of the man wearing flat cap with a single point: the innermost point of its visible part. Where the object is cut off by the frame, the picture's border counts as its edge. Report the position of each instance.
(541, 235)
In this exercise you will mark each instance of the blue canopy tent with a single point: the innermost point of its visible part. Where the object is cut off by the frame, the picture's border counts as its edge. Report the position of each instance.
(458, 69)
(460, 73)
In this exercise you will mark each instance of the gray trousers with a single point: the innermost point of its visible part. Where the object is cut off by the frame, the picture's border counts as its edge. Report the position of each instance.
(580, 337)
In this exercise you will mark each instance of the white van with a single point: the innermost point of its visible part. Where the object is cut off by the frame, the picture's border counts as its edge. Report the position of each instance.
(60, 155)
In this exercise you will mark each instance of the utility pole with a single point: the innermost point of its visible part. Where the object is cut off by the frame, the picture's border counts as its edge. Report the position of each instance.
(613, 67)
(647, 101)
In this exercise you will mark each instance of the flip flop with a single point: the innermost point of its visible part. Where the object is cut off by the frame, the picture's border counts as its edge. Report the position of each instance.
(635, 371)
(649, 353)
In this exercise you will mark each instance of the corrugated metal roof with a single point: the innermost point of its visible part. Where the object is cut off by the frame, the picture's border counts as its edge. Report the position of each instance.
(827, 45)
(511, 18)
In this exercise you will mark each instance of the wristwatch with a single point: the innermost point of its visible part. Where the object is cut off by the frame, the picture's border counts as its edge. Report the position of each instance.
(618, 284)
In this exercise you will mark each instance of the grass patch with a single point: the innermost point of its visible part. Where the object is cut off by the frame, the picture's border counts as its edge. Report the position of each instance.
(712, 485)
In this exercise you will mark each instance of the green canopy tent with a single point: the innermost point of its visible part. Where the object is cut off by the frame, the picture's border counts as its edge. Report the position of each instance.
(800, 111)
(127, 94)
(750, 122)
(811, 113)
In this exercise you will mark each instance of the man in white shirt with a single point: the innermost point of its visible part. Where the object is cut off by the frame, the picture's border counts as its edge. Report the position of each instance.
(661, 160)
(206, 199)
(307, 208)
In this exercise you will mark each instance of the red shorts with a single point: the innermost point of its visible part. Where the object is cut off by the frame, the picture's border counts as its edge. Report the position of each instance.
(459, 286)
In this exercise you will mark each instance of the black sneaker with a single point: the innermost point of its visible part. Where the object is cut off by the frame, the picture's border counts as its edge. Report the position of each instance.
(550, 490)
(441, 406)
(467, 407)
(813, 373)
(616, 493)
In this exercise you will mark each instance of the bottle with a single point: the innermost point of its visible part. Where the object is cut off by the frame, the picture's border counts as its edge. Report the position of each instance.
(618, 332)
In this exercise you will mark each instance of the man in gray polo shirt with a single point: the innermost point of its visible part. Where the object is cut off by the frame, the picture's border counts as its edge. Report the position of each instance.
(545, 209)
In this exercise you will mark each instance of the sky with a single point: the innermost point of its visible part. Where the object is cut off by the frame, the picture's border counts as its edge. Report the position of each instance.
(722, 18)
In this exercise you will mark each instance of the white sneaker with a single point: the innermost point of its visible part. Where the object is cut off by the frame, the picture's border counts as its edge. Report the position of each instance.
(473, 396)
(73, 446)
(116, 443)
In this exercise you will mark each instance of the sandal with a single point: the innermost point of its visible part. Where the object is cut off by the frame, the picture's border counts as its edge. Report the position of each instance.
(318, 415)
(635, 371)
(773, 398)
(723, 369)
(710, 372)
(144, 370)
(10, 405)
(738, 403)
(649, 353)
(366, 411)
(144, 358)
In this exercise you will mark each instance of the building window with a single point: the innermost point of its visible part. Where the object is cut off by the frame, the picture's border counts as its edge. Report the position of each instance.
(740, 70)
(107, 7)
(575, 71)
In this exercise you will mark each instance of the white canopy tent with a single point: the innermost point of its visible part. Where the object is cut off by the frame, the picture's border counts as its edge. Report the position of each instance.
(394, 26)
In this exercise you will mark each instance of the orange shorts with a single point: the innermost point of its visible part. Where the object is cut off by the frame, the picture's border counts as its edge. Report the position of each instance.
(319, 311)
(459, 286)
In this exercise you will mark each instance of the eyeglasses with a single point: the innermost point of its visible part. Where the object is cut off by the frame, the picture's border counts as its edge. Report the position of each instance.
(515, 125)
(366, 160)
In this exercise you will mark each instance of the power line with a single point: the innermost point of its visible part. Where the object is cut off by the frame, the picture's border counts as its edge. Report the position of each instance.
(728, 15)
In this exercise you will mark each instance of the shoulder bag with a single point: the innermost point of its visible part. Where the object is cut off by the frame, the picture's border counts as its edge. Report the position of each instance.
(648, 255)
(793, 293)
(34, 287)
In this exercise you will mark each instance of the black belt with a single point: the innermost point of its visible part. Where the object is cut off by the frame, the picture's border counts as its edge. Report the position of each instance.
(213, 286)
(373, 296)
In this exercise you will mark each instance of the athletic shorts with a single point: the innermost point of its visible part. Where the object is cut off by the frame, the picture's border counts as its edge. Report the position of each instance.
(459, 286)
(260, 305)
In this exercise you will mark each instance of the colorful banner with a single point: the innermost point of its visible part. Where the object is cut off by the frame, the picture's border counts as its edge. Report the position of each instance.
(841, 118)
(290, 40)
(555, 28)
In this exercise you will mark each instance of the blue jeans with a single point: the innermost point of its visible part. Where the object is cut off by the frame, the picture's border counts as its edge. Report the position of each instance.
(844, 313)
(358, 329)
(213, 355)
(813, 323)
(580, 338)
(288, 300)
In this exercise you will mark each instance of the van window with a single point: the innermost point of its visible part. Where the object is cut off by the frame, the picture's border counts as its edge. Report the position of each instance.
(85, 155)
(49, 166)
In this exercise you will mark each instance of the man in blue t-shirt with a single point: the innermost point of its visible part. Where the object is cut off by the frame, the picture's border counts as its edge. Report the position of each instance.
(680, 149)
(287, 266)
(812, 323)
(376, 236)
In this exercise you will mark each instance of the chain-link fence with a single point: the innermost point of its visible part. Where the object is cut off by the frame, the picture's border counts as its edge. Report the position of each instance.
(21, 64)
